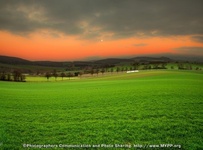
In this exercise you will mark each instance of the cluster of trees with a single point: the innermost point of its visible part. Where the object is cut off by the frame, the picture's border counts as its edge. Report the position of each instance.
(108, 68)
(87, 70)
(93, 71)
(62, 74)
(154, 66)
(16, 75)
(181, 66)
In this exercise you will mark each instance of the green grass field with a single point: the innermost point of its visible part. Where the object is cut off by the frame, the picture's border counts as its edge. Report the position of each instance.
(148, 108)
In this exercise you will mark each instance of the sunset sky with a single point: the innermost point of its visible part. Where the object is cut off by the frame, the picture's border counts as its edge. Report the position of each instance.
(95, 29)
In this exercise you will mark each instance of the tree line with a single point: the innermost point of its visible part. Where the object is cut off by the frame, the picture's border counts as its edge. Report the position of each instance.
(16, 76)
(101, 69)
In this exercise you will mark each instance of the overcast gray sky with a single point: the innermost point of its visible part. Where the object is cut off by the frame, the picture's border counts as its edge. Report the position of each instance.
(123, 18)
(113, 19)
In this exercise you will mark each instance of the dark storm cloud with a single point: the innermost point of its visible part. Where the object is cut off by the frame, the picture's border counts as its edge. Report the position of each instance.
(97, 18)
(190, 50)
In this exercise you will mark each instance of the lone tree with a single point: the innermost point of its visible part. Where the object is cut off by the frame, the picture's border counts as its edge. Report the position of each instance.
(63, 75)
(69, 75)
(9, 77)
(117, 69)
(3, 76)
(48, 75)
(55, 74)
(22, 78)
(102, 71)
(92, 71)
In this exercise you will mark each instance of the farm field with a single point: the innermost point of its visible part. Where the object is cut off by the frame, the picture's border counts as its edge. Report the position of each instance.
(149, 108)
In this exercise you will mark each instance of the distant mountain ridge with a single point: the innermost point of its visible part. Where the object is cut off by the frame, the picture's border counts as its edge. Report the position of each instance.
(13, 60)
(152, 59)
(20, 61)
(112, 61)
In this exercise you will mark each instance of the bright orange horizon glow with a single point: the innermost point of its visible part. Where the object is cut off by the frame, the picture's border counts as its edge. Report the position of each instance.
(38, 46)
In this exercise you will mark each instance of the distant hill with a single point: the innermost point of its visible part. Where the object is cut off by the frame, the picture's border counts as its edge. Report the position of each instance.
(108, 61)
(49, 63)
(112, 61)
(152, 59)
(14, 60)
(115, 61)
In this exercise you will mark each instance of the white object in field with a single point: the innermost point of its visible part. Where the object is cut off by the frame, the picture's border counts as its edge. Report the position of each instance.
(132, 71)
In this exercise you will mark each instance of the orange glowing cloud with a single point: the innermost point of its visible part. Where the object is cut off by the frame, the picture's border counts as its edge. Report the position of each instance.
(44, 46)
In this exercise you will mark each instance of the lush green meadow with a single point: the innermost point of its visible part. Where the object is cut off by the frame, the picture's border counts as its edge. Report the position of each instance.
(148, 108)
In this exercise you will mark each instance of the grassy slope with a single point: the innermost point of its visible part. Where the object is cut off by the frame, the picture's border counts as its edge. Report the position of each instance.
(152, 107)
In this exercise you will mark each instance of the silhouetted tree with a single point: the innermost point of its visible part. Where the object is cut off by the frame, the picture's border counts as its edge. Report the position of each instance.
(92, 71)
(76, 74)
(97, 71)
(102, 71)
(55, 74)
(135, 65)
(3, 76)
(117, 69)
(17, 75)
(63, 75)
(69, 75)
(22, 78)
(47, 75)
